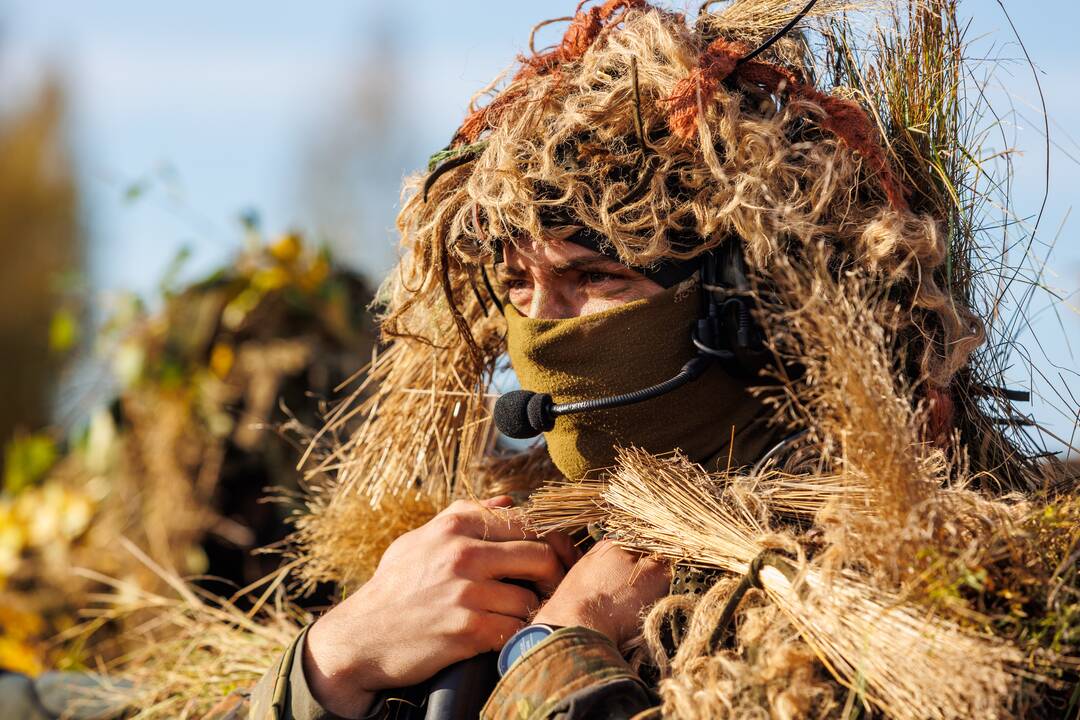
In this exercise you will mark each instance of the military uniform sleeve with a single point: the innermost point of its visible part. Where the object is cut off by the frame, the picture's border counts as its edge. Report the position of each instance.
(283, 692)
(574, 674)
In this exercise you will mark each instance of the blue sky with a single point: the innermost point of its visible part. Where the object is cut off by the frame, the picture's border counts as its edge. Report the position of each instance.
(215, 102)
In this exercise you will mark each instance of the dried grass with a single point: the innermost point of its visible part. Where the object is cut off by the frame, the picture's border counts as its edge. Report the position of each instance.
(904, 655)
(928, 97)
(193, 649)
(767, 673)
(421, 426)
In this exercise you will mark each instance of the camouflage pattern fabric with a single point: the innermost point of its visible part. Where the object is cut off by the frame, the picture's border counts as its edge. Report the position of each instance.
(575, 673)
(68, 695)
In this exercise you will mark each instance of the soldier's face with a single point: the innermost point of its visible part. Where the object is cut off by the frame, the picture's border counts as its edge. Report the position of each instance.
(556, 279)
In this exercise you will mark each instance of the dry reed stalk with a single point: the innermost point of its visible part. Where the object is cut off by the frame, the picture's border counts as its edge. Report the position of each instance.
(928, 97)
(858, 406)
(194, 648)
(423, 423)
(800, 497)
(752, 21)
(905, 656)
(770, 493)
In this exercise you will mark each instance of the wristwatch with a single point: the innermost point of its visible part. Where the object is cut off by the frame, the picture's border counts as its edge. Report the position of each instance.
(522, 642)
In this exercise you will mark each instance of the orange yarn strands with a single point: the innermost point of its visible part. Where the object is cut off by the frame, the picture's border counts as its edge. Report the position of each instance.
(579, 37)
(717, 63)
(843, 118)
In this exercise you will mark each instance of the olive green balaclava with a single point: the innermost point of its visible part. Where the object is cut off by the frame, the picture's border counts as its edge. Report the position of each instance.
(627, 348)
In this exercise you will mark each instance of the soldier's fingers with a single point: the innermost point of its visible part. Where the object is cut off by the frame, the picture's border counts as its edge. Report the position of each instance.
(502, 598)
(564, 547)
(494, 524)
(497, 629)
(529, 560)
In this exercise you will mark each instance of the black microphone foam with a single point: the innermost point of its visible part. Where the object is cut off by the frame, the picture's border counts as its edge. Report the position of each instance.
(539, 410)
(516, 411)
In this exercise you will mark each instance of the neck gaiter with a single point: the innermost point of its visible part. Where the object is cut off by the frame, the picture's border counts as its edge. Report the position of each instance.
(628, 348)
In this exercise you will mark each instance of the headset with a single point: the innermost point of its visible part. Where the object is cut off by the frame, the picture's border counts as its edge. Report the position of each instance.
(725, 332)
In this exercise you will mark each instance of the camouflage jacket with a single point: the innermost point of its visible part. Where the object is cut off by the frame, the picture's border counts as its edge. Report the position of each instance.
(575, 673)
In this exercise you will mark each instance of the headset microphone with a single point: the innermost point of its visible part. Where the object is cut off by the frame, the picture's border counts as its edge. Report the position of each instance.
(522, 414)
(725, 332)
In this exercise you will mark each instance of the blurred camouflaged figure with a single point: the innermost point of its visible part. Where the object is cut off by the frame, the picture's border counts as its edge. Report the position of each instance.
(699, 157)
(178, 459)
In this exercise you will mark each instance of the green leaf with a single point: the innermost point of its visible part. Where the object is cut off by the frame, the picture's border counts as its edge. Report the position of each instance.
(167, 284)
(135, 190)
(26, 460)
(63, 330)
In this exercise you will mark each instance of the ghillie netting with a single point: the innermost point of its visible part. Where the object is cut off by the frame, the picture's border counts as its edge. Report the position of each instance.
(924, 564)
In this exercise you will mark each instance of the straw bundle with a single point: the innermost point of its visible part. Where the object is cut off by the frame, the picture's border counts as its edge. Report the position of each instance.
(669, 507)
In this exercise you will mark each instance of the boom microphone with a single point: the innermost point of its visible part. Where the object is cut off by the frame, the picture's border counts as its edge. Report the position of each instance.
(523, 414)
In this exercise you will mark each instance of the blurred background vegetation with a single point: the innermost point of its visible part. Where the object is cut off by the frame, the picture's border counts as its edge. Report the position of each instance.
(196, 205)
(203, 393)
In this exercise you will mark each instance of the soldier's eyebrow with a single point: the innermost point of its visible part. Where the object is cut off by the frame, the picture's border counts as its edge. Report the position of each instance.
(588, 263)
(591, 263)
(502, 270)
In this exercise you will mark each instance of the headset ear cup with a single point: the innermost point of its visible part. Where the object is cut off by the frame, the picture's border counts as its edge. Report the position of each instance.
(727, 329)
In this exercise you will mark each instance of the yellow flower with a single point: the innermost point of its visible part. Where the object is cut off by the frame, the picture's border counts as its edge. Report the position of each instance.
(12, 542)
(287, 248)
(53, 513)
(314, 276)
(271, 278)
(236, 311)
(18, 656)
(19, 624)
(17, 629)
(222, 358)
(77, 511)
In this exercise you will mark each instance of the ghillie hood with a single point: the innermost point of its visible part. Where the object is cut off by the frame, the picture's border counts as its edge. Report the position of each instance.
(653, 130)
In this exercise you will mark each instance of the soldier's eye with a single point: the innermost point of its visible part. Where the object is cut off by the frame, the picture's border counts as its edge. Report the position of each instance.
(595, 278)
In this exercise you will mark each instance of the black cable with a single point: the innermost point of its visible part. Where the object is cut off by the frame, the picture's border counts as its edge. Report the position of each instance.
(524, 414)
(690, 371)
(491, 290)
(783, 31)
(455, 162)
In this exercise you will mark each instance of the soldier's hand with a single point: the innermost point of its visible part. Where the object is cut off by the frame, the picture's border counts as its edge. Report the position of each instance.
(607, 590)
(438, 596)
